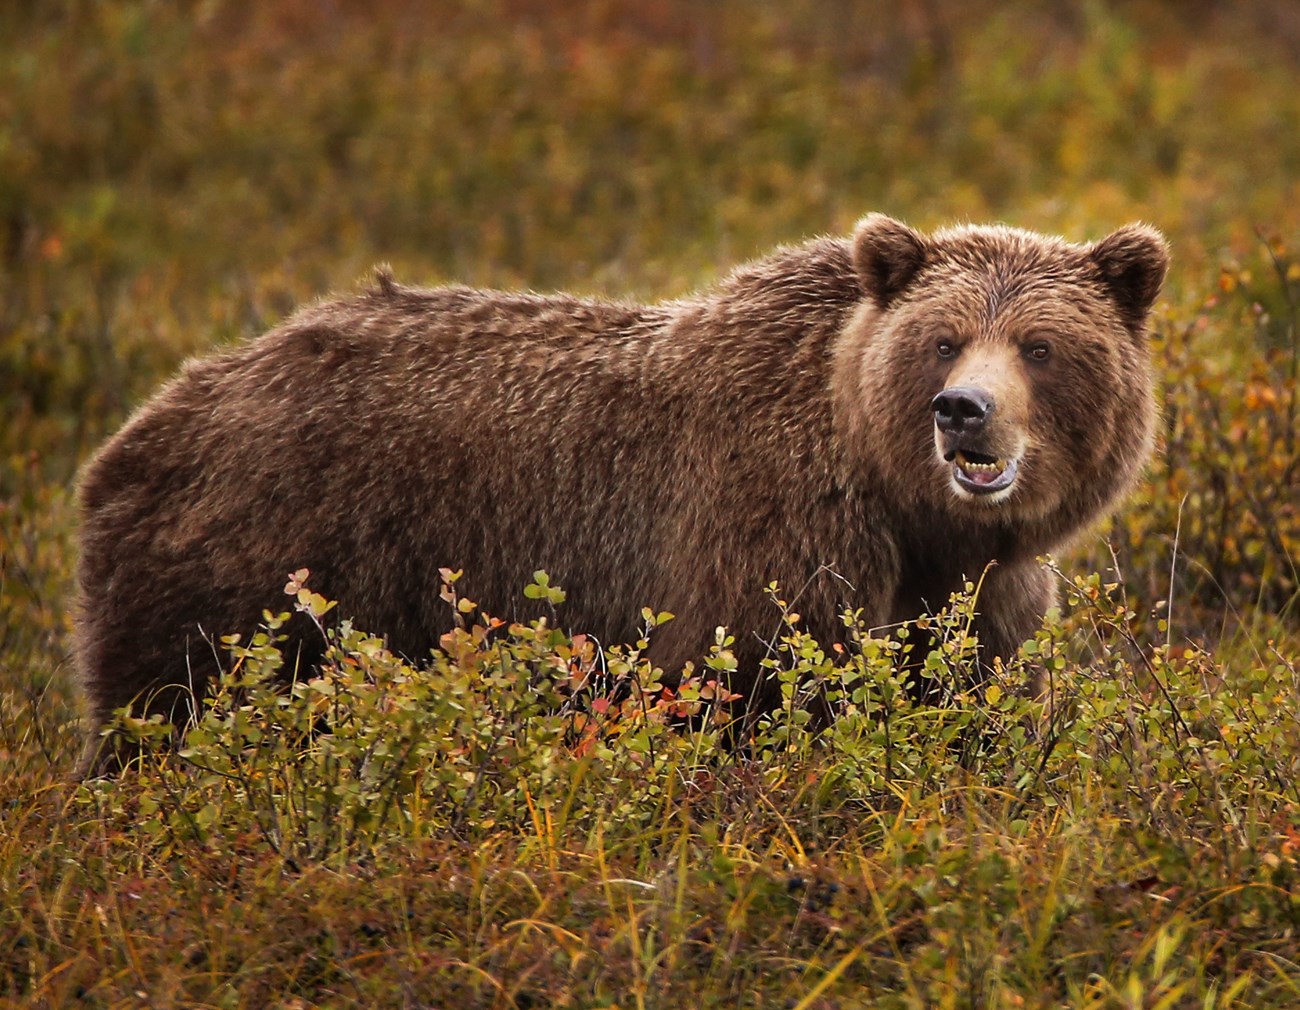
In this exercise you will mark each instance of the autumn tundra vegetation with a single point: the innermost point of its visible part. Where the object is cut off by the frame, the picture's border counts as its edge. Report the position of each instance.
(529, 814)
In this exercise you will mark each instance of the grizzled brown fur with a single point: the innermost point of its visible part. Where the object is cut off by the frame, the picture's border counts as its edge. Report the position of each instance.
(679, 456)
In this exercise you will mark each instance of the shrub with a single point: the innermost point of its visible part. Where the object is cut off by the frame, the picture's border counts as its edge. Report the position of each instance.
(1217, 531)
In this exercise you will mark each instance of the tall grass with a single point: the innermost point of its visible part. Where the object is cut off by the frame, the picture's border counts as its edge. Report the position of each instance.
(501, 829)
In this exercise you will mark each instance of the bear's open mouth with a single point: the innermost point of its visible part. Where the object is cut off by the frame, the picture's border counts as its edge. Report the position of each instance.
(979, 473)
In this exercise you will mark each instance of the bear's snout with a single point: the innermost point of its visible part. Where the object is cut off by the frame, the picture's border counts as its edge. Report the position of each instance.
(962, 408)
(982, 457)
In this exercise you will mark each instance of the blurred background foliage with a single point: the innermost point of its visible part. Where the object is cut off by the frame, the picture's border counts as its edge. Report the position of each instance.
(175, 176)
(178, 175)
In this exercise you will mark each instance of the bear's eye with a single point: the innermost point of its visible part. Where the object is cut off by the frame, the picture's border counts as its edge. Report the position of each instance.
(945, 348)
(1039, 350)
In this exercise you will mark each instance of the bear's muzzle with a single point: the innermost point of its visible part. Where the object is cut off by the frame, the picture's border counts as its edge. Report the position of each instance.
(962, 421)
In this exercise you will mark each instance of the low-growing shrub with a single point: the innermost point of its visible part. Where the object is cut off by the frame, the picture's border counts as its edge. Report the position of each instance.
(510, 725)
(1217, 530)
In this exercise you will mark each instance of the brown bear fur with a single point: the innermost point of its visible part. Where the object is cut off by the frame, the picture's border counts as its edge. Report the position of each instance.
(777, 427)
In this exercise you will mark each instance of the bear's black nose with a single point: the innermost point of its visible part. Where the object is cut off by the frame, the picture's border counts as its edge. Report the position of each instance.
(962, 408)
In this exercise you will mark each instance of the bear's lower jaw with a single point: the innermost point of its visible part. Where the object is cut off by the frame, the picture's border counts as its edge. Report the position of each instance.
(973, 474)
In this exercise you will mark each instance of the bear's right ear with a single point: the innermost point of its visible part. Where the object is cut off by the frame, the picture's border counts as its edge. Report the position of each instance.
(887, 255)
(1133, 261)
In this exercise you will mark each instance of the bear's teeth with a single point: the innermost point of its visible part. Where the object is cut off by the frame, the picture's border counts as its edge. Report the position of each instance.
(970, 466)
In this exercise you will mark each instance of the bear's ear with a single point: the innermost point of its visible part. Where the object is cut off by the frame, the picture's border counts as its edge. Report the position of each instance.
(887, 255)
(1132, 262)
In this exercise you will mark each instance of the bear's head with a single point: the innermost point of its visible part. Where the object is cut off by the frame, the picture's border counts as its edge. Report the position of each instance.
(1000, 374)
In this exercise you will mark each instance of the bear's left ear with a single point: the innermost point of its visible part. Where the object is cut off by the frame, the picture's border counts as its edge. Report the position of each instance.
(1132, 262)
(887, 255)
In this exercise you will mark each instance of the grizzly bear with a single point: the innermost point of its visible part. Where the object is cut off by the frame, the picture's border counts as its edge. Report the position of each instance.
(868, 421)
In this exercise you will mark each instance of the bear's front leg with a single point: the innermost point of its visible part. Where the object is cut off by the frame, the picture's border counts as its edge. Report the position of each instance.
(1009, 608)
